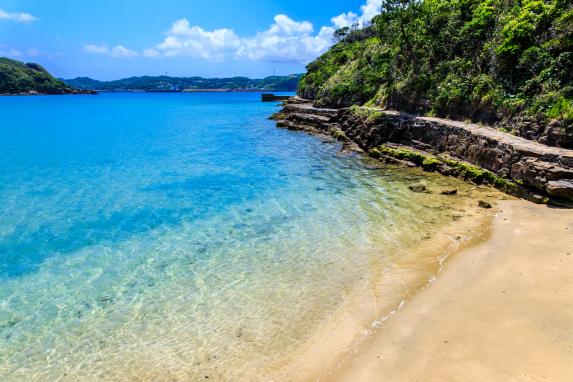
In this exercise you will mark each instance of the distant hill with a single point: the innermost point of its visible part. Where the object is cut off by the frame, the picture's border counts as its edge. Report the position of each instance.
(165, 83)
(20, 78)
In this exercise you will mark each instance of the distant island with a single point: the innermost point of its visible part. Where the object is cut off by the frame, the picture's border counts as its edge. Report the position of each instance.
(188, 84)
(29, 79)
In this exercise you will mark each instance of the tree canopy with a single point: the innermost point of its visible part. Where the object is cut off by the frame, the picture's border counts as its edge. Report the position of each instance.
(503, 62)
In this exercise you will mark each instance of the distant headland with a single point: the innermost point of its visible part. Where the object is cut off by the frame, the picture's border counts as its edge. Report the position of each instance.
(18, 78)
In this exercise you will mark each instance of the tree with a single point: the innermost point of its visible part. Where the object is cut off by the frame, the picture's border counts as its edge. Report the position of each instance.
(340, 34)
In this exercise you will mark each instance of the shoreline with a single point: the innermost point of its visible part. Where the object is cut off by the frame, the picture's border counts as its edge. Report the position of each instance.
(500, 310)
(357, 322)
(343, 348)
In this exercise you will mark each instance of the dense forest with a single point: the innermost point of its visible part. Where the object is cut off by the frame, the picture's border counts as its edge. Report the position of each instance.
(17, 77)
(508, 63)
(165, 83)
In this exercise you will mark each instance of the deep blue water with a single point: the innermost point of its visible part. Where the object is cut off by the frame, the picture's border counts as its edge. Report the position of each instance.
(165, 236)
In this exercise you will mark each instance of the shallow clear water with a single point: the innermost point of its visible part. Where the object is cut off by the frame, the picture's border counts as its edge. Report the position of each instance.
(177, 236)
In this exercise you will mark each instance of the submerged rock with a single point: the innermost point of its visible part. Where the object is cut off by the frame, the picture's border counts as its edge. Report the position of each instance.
(417, 188)
(449, 192)
(484, 204)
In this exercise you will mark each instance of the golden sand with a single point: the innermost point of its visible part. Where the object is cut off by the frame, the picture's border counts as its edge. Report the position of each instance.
(337, 348)
(501, 311)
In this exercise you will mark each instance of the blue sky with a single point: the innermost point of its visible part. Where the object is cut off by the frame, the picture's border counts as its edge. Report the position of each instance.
(111, 39)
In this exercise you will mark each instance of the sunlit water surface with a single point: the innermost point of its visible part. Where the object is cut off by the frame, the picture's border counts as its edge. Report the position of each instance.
(180, 236)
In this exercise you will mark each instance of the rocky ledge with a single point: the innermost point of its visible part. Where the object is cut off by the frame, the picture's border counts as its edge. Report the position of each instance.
(474, 152)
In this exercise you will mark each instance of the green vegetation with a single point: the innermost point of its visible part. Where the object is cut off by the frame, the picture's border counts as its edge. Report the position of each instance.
(278, 116)
(445, 164)
(401, 153)
(339, 135)
(17, 77)
(502, 62)
(165, 83)
(369, 114)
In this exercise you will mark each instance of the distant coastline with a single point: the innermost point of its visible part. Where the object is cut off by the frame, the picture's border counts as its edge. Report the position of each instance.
(193, 91)
(35, 93)
(31, 79)
(166, 84)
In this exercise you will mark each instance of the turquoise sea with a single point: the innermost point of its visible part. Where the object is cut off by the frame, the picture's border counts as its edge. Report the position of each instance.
(165, 237)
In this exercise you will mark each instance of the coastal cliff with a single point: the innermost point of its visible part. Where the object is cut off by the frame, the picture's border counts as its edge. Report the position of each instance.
(474, 152)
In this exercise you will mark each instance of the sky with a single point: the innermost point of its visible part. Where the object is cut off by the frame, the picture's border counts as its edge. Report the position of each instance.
(112, 39)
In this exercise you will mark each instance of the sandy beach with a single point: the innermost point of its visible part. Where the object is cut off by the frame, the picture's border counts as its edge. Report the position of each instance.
(501, 311)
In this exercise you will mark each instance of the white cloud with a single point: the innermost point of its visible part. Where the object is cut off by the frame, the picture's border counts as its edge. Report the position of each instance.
(96, 48)
(119, 51)
(10, 52)
(18, 52)
(32, 52)
(286, 40)
(344, 20)
(151, 53)
(286, 26)
(367, 12)
(184, 39)
(17, 16)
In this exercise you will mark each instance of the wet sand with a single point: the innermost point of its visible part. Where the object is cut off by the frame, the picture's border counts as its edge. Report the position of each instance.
(500, 311)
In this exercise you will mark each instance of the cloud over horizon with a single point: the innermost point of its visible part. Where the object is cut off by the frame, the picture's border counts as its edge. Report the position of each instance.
(367, 13)
(17, 53)
(20, 17)
(118, 52)
(285, 40)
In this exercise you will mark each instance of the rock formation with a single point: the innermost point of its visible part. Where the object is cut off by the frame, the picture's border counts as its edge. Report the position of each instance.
(479, 153)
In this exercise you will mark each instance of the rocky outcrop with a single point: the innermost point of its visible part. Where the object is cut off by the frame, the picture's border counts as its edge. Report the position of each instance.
(534, 168)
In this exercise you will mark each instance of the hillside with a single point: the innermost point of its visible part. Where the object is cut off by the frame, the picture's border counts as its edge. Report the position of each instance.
(165, 83)
(17, 77)
(502, 62)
